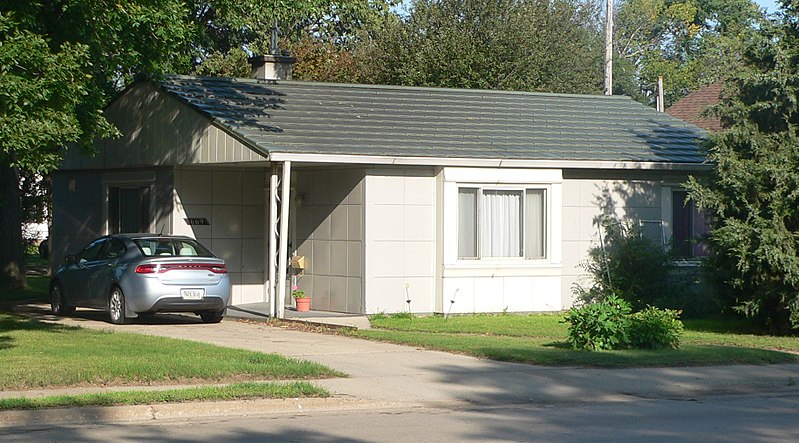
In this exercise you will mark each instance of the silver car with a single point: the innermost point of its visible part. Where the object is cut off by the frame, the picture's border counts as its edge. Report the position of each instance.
(130, 275)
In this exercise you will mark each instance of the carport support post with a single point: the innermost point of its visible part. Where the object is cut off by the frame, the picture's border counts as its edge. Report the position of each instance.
(272, 237)
(284, 239)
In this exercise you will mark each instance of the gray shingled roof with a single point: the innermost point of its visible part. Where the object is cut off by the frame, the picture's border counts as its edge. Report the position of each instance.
(326, 118)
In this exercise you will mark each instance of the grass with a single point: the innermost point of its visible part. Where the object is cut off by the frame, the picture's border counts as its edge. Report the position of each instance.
(237, 391)
(541, 339)
(37, 290)
(37, 355)
(40, 355)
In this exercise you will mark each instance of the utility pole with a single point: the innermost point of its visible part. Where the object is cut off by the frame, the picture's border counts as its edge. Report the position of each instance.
(609, 49)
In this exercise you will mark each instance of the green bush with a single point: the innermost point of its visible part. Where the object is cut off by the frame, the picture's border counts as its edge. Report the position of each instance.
(630, 266)
(599, 326)
(655, 328)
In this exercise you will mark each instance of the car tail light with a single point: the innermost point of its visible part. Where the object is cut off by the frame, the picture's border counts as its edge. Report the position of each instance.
(146, 269)
(160, 268)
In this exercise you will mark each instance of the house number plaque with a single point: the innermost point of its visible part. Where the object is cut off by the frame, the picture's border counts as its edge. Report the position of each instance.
(201, 221)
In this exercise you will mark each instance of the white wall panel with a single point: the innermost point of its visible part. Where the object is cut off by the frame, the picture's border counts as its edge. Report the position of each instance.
(400, 232)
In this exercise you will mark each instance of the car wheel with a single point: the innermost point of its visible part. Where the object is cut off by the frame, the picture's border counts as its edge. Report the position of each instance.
(57, 304)
(212, 316)
(116, 306)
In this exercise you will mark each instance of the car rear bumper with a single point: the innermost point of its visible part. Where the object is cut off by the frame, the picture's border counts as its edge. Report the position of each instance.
(177, 304)
(149, 295)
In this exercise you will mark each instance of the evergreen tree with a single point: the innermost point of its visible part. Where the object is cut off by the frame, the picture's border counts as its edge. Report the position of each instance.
(752, 193)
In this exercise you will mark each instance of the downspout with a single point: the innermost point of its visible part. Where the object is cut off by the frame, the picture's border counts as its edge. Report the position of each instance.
(272, 247)
(284, 240)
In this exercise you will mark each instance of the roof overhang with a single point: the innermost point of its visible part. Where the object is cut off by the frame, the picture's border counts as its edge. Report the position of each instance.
(485, 162)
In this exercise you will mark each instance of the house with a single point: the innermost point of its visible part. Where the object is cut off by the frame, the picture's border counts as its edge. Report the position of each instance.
(692, 107)
(391, 198)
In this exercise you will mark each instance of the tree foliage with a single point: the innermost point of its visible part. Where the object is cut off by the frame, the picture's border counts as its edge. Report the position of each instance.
(227, 29)
(688, 42)
(753, 191)
(60, 62)
(531, 45)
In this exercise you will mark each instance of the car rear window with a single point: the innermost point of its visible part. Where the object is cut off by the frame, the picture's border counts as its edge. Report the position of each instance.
(170, 247)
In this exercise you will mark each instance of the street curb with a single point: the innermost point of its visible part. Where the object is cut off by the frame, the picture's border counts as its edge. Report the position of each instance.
(184, 411)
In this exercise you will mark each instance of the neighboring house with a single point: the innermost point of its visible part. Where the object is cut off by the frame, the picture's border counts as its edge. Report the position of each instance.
(692, 107)
(457, 200)
(691, 224)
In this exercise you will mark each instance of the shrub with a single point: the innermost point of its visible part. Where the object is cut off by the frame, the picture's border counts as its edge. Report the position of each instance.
(633, 267)
(599, 326)
(654, 328)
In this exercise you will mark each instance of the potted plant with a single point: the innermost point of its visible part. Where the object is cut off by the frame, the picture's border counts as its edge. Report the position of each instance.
(302, 301)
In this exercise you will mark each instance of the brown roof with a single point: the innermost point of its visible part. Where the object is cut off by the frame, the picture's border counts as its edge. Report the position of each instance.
(691, 107)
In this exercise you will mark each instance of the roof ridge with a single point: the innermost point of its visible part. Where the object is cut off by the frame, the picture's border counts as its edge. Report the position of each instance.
(245, 80)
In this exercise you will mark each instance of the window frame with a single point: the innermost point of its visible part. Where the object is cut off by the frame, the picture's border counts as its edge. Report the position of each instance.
(522, 188)
(149, 205)
(693, 241)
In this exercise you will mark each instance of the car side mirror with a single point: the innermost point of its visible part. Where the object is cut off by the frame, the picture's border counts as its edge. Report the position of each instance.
(70, 259)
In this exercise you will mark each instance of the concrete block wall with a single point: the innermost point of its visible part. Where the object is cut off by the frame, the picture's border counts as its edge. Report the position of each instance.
(80, 205)
(400, 239)
(233, 202)
(328, 229)
(591, 196)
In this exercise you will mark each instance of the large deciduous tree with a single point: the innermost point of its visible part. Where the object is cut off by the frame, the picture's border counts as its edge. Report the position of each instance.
(753, 192)
(60, 62)
(320, 33)
(532, 45)
(688, 42)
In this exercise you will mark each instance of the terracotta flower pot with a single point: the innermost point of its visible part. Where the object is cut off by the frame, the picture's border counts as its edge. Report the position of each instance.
(303, 304)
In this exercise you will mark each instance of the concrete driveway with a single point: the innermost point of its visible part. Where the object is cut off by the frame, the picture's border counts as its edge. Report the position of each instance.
(404, 376)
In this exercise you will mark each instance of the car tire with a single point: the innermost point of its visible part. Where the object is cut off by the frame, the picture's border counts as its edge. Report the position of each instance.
(116, 306)
(212, 316)
(57, 303)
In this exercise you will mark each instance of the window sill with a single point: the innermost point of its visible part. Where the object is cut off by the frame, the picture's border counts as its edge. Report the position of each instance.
(502, 268)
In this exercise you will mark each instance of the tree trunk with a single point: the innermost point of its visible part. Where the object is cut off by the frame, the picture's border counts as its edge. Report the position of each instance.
(12, 253)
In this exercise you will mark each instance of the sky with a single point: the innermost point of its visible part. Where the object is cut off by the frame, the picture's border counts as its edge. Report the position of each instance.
(768, 4)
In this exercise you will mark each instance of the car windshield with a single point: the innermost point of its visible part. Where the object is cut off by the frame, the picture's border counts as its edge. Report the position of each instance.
(152, 247)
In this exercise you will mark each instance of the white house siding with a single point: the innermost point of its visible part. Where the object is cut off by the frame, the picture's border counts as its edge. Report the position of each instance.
(501, 285)
(232, 201)
(328, 230)
(592, 196)
(400, 239)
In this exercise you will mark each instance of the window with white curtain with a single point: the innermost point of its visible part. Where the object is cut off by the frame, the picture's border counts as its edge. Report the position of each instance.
(501, 223)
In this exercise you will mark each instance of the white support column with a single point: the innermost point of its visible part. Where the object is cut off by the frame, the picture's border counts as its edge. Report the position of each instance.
(272, 298)
(284, 239)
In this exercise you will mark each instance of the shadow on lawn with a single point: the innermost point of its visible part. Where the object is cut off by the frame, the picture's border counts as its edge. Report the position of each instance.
(41, 313)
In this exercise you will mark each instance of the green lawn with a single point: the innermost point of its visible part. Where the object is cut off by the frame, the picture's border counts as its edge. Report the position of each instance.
(236, 391)
(37, 290)
(541, 339)
(35, 355)
(41, 355)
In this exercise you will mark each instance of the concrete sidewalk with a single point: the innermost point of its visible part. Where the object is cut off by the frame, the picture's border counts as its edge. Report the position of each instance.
(260, 312)
(393, 376)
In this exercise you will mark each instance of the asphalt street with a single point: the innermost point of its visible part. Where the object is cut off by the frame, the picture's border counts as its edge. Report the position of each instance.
(750, 418)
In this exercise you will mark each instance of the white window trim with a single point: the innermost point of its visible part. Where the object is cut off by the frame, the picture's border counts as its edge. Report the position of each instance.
(517, 179)
(520, 188)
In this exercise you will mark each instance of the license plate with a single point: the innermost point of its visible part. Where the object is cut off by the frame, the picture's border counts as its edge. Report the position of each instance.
(192, 293)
